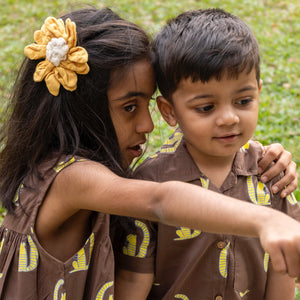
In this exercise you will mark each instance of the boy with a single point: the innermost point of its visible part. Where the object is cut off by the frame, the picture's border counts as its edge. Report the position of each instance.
(207, 66)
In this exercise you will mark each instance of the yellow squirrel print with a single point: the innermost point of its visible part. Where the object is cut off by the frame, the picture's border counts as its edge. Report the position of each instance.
(266, 261)
(170, 145)
(245, 148)
(81, 263)
(17, 195)
(23, 257)
(243, 294)
(292, 199)
(260, 194)
(181, 296)
(130, 249)
(1, 246)
(185, 233)
(223, 261)
(59, 283)
(104, 288)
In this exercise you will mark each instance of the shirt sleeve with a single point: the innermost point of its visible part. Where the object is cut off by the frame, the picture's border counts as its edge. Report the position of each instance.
(136, 248)
(290, 206)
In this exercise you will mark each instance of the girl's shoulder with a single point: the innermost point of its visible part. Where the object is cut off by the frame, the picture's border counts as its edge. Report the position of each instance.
(32, 191)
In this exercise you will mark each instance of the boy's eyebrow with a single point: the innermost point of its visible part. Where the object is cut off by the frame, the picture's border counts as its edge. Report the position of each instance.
(205, 96)
(247, 88)
(130, 95)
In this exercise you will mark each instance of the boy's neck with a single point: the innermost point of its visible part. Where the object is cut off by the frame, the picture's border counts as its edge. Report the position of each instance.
(216, 169)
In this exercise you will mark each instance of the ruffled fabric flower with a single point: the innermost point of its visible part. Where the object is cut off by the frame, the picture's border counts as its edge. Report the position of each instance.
(56, 42)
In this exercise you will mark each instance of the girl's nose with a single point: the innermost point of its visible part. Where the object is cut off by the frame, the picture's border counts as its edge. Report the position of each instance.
(145, 123)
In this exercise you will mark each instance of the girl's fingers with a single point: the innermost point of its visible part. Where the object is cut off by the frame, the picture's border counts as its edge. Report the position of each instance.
(292, 260)
(275, 152)
(283, 162)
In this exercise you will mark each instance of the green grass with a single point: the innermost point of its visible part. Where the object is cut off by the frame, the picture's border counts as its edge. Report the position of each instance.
(276, 24)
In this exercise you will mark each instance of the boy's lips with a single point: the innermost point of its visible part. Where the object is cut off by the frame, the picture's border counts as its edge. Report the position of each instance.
(228, 138)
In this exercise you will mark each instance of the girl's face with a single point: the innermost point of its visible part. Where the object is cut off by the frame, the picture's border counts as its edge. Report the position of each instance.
(128, 97)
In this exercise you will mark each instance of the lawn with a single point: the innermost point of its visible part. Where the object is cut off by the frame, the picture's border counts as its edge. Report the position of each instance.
(276, 24)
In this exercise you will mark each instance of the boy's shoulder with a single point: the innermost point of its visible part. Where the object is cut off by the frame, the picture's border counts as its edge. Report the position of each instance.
(173, 162)
(167, 163)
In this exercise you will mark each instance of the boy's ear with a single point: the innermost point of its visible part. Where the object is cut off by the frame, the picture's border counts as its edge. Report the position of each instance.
(260, 85)
(166, 110)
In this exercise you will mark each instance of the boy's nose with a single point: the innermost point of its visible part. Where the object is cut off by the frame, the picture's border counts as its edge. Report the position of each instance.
(227, 118)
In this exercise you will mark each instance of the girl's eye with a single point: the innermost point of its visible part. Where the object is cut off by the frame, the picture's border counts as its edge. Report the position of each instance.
(244, 101)
(130, 108)
(206, 108)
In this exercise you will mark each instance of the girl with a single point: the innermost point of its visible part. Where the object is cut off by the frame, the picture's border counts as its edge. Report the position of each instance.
(79, 116)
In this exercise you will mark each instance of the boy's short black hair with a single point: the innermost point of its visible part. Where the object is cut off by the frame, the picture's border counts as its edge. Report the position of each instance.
(201, 45)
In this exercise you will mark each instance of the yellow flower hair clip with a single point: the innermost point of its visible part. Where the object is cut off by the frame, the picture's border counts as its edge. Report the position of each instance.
(56, 42)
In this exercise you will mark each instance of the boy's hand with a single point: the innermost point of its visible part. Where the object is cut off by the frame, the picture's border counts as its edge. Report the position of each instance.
(283, 162)
(280, 237)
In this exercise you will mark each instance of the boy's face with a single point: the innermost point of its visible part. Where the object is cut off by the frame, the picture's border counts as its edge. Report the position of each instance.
(216, 117)
(128, 99)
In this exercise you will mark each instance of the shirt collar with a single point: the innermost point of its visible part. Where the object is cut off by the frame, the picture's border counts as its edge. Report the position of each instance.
(245, 162)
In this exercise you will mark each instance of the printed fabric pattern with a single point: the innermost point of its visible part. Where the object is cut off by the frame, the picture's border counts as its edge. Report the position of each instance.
(194, 265)
(27, 271)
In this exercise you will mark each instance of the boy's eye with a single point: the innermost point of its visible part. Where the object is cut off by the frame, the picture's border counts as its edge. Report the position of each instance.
(130, 108)
(244, 101)
(205, 108)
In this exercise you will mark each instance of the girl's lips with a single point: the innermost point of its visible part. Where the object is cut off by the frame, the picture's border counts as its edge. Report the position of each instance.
(136, 151)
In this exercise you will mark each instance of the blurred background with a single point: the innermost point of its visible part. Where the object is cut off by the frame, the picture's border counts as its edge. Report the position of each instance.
(276, 24)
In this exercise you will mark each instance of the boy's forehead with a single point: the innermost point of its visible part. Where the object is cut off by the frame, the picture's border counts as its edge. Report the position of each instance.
(227, 74)
(243, 81)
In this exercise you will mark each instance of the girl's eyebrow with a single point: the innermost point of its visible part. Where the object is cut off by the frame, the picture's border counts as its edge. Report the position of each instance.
(130, 95)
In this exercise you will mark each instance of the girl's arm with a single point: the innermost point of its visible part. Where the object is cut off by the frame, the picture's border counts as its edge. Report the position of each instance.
(132, 285)
(279, 286)
(283, 162)
(89, 186)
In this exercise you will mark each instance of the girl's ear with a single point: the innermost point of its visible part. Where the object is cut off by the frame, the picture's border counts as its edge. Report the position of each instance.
(166, 110)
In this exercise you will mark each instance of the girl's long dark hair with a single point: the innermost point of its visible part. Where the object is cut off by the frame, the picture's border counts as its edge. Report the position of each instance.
(75, 122)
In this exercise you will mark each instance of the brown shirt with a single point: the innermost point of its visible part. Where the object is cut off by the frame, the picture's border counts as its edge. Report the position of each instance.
(194, 265)
(28, 272)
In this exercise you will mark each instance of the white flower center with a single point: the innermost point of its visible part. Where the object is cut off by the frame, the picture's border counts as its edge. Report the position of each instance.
(57, 50)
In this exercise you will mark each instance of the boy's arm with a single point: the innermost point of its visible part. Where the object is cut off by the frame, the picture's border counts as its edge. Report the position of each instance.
(283, 162)
(131, 285)
(279, 286)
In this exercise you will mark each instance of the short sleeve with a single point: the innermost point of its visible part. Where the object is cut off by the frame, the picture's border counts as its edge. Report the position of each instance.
(135, 247)
(291, 207)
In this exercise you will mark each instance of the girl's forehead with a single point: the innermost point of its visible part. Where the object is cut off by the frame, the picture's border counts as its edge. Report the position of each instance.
(137, 78)
(141, 66)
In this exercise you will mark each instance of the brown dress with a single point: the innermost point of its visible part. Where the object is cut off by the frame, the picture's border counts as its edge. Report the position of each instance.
(194, 265)
(28, 272)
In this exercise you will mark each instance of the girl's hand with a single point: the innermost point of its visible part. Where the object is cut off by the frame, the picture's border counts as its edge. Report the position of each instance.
(283, 162)
(280, 237)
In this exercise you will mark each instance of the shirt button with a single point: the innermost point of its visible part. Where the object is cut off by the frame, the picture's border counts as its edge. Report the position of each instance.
(219, 298)
(221, 245)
